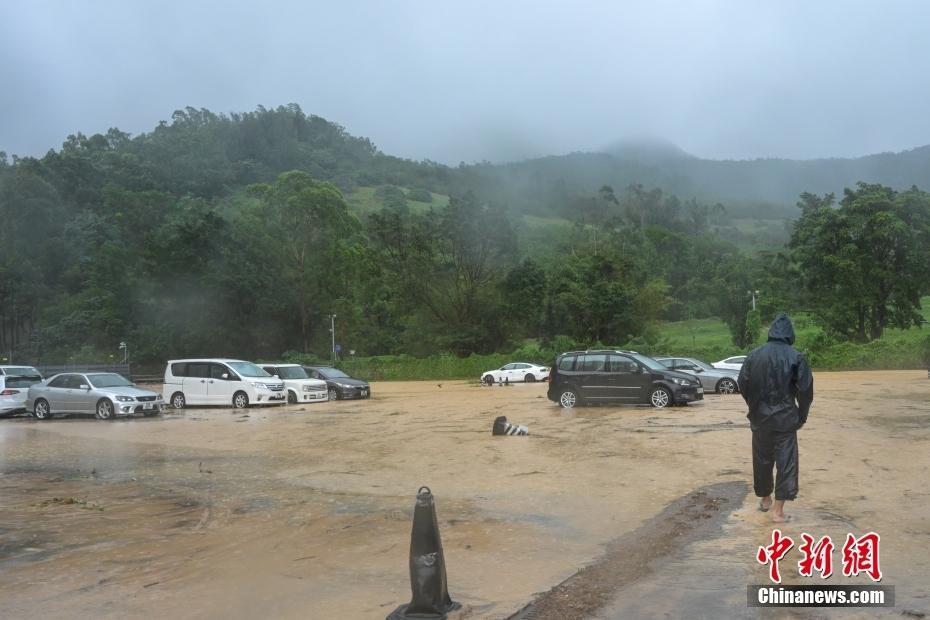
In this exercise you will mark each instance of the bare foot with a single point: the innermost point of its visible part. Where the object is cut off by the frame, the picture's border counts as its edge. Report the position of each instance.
(778, 514)
(765, 503)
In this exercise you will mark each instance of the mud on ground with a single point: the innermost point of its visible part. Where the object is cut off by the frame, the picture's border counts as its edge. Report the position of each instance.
(304, 511)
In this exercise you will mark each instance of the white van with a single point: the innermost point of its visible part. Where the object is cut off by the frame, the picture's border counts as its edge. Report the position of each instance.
(220, 382)
(300, 387)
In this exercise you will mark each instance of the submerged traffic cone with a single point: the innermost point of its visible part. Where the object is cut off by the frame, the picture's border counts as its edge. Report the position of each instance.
(503, 427)
(427, 566)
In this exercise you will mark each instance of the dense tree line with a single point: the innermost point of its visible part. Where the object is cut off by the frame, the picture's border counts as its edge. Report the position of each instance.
(231, 235)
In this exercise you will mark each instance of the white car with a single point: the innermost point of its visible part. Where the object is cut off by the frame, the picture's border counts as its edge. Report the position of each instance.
(20, 371)
(516, 372)
(14, 388)
(731, 363)
(220, 382)
(300, 387)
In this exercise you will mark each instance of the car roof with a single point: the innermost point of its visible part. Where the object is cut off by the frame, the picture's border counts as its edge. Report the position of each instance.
(209, 359)
(278, 364)
(600, 351)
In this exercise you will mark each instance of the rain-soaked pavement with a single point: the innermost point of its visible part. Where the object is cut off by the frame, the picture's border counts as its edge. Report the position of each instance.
(304, 511)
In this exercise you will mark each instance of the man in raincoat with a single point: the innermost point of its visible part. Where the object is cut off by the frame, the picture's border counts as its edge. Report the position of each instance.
(777, 384)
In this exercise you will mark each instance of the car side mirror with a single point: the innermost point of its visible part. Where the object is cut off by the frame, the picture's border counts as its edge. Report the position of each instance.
(697, 369)
(84, 386)
(225, 376)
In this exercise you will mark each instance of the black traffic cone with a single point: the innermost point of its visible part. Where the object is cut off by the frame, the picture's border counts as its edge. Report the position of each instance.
(427, 565)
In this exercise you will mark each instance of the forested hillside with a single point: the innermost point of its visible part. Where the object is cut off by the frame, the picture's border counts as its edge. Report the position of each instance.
(240, 234)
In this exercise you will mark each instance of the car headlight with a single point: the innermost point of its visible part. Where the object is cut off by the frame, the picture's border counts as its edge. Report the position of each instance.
(345, 385)
(259, 384)
(125, 399)
(680, 381)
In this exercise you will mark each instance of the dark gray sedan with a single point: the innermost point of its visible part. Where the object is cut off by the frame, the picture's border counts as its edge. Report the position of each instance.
(719, 380)
(104, 394)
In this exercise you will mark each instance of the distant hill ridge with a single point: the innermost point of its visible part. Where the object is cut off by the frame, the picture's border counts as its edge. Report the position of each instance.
(208, 154)
(762, 180)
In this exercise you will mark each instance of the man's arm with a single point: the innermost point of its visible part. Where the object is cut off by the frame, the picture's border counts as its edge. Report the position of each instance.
(743, 379)
(805, 387)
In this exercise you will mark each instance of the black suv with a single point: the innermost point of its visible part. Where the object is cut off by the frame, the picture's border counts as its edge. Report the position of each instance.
(579, 377)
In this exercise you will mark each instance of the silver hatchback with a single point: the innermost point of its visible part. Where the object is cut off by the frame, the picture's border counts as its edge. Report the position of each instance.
(104, 394)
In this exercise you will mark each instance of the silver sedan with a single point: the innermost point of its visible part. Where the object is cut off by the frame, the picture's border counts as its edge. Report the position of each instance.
(105, 394)
(719, 380)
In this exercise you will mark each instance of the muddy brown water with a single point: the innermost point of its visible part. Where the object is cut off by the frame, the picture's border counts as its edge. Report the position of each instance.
(304, 511)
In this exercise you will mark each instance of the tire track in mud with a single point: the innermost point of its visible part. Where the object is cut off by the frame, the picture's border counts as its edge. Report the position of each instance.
(694, 516)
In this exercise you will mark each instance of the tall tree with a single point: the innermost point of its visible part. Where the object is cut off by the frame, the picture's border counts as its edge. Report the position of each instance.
(864, 264)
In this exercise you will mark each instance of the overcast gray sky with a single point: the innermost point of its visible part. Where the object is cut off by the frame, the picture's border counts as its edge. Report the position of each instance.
(471, 80)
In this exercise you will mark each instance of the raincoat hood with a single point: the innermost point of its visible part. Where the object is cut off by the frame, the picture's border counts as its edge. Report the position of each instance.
(782, 330)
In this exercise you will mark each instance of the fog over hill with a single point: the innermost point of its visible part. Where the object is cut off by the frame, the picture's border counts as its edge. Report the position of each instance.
(763, 181)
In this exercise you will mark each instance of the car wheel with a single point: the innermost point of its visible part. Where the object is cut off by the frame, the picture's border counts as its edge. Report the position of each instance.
(488, 380)
(333, 393)
(178, 401)
(42, 412)
(660, 398)
(240, 400)
(529, 379)
(726, 386)
(291, 398)
(105, 409)
(568, 398)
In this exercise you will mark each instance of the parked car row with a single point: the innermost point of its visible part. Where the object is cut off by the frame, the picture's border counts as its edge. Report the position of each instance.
(241, 383)
(207, 381)
(616, 375)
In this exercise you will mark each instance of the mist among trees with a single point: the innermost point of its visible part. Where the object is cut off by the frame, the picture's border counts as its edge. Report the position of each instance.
(234, 235)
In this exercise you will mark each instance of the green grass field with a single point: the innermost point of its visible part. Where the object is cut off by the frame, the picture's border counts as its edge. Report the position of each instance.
(710, 338)
(363, 201)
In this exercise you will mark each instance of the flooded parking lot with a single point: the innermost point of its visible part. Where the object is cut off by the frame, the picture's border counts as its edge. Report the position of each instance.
(304, 511)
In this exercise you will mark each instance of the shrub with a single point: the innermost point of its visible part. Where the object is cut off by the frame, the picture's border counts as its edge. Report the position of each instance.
(420, 195)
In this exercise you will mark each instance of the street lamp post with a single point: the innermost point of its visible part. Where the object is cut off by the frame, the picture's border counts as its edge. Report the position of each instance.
(753, 293)
(125, 347)
(332, 330)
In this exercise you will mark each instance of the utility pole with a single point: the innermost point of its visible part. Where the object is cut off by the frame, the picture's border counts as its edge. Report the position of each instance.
(332, 330)
(125, 347)
(12, 325)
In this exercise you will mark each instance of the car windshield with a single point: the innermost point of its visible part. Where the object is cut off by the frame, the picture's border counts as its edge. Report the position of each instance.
(108, 380)
(22, 382)
(648, 362)
(292, 372)
(703, 365)
(333, 373)
(248, 369)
